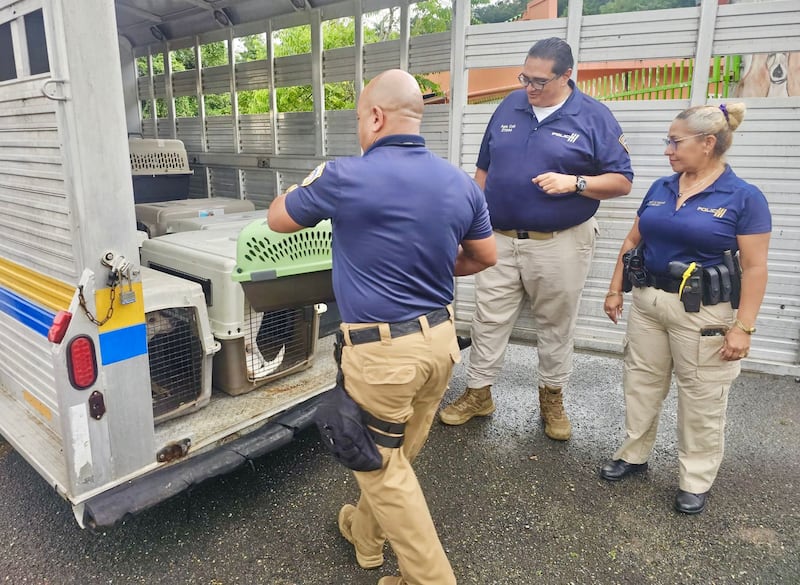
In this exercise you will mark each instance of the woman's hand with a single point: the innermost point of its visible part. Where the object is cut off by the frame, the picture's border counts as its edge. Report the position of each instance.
(736, 346)
(613, 306)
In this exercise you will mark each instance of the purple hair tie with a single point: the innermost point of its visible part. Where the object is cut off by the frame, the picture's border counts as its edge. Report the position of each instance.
(725, 112)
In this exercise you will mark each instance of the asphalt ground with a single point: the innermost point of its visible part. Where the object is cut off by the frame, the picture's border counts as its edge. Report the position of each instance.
(511, 506)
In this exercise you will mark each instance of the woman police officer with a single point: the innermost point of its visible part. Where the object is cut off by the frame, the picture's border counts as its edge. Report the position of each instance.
(694, 216)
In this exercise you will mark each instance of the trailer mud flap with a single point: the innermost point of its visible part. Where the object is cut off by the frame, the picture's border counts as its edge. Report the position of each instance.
(116, 504)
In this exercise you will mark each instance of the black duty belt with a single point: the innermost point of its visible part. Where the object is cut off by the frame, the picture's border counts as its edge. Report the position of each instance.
(665, 283)
(527, 234)
(373, 334)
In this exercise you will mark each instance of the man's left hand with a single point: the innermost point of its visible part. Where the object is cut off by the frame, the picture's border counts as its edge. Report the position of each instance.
(555, 183)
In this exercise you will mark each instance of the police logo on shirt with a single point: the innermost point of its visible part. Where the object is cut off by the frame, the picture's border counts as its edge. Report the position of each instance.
(290, 189)
(624, 143)
(313, 175)
(717, 212)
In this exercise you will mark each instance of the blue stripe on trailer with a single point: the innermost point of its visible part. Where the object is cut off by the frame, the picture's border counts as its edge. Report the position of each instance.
(123, 344)
(26, 312)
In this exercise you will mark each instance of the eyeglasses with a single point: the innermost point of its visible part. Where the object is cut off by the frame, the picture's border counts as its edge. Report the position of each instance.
(534, 83)
(673, 142)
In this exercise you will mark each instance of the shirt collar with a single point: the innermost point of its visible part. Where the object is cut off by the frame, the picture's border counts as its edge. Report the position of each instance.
(397, 140)
(725, 183)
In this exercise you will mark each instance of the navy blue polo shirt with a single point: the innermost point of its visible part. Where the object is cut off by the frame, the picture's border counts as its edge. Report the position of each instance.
(580, 138)
(399, 213)
(703, 227)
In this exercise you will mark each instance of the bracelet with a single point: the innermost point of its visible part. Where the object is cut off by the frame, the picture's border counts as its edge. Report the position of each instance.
(613, 293)
(748, 330)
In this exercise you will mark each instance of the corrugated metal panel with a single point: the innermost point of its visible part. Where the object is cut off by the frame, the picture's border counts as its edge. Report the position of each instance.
(189, 131)
(296, 132)
(198, 186)
(259, 187)
(184, 83)
(159, 86)
(757, 28)
(252, 75)
(149, 128)
(224, 182)
(143, 88)
(164, 128)
(435, 122)
(429, 53)
(34, 211)
(341, 136)
(216, 79)
(505, 44)
(379, 57)
(255, 133)
(339, 65)
(287, 179)
(27, 370)
(293, 71)
(662, 34)
(219, 134)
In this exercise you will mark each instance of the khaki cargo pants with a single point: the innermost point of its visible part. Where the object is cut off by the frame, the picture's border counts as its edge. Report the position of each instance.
(662, 337)
(550, 274)
(401, 380)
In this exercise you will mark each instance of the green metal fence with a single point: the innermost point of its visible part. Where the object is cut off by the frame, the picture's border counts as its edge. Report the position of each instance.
(672, 81)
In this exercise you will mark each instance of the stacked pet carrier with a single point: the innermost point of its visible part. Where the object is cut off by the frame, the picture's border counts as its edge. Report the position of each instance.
(274, 334)
(179, 343)
(160, 170)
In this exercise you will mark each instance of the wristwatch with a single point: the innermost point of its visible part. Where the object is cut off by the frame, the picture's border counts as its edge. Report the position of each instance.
(580, 184)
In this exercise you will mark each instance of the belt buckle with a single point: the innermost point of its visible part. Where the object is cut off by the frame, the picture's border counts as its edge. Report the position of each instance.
(522, 235)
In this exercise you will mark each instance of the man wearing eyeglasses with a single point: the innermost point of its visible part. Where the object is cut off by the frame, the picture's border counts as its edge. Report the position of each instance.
(549, 155)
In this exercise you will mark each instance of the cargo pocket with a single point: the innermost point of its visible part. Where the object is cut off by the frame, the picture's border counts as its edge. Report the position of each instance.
(710, 365)
(378, 375)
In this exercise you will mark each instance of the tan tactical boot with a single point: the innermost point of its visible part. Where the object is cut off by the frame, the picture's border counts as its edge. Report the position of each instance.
(473, 402)
(556, 423)
(366, 560)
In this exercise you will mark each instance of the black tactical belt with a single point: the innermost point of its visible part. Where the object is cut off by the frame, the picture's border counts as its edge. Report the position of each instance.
(373, 334)
(665, 283)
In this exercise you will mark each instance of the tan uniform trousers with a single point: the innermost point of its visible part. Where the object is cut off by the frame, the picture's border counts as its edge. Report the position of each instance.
(662, 337)
(551, 274)
(401, 380)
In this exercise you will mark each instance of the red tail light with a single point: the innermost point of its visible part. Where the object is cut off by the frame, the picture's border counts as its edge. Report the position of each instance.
(81, 362)
(59, 327)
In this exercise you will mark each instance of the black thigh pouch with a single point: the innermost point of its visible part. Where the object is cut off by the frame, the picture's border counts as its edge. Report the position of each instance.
(341, 424)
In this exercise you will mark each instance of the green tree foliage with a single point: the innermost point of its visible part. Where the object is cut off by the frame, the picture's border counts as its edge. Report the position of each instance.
(614, 6)
(487, 11)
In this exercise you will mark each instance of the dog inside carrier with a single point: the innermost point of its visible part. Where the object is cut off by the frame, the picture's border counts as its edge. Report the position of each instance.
(179, 344)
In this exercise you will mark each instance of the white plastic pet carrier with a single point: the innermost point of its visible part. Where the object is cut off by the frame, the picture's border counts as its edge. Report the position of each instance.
(158, 218)
(212, 222)
(256, 347)
(160, 169)
(179, 344)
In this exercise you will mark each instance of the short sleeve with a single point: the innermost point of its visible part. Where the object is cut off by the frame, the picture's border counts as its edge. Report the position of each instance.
(755, 217)
(481, 227)
(484, 156)
(314, 199)
(611, 148)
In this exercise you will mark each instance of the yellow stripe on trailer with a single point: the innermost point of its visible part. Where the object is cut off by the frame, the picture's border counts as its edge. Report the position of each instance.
(45, 290)
(124, 315)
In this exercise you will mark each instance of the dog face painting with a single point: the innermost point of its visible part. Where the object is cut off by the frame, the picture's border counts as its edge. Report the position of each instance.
(770, 75)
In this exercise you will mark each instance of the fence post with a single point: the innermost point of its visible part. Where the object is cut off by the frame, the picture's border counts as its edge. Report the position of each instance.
(459, 77)
(702, 57)
(574, 18)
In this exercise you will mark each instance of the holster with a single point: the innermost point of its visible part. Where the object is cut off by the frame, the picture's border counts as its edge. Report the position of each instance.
(349, 432)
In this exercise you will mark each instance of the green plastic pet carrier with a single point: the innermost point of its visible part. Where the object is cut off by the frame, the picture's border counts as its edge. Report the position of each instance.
(280, 271)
